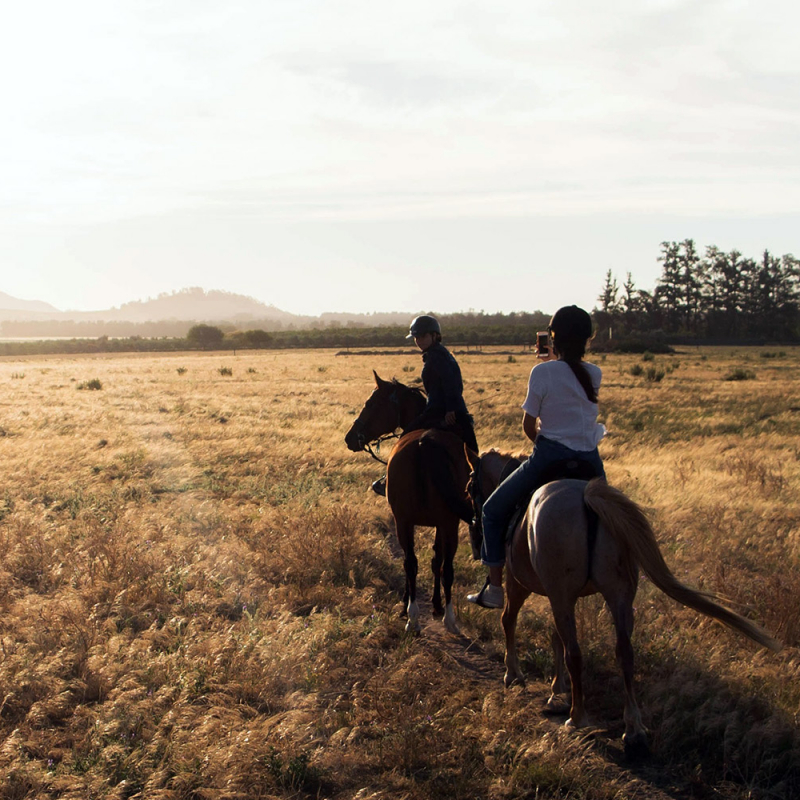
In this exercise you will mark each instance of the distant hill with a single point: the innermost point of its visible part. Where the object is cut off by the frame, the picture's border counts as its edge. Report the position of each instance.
(187, 305)
(171, 315)
(193, 304)
(17, 306)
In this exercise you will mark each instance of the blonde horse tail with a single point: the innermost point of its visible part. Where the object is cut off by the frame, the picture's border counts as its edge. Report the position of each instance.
(627, 524)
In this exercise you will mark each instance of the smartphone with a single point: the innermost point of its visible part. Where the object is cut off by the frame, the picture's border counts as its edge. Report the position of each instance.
(543, 343)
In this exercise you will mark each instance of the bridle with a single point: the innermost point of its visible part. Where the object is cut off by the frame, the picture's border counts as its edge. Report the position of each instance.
(367, 444)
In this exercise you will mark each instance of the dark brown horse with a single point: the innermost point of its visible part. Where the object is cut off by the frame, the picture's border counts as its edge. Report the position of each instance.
(425, 478)
(556, 552)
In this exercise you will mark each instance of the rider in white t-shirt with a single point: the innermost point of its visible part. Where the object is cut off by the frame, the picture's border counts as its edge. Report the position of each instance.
(560, 418)
(560, 403)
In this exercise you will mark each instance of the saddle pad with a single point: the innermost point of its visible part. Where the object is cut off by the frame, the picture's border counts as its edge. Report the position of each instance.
(558, 470)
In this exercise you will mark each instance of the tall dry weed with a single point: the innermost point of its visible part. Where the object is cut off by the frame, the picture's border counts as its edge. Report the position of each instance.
(199, 593)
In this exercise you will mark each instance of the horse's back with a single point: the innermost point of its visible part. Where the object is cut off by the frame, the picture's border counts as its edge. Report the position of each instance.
(414, 471)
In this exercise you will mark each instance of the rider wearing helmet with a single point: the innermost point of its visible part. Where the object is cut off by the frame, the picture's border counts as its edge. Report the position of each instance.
(562, 399)
(441, 376)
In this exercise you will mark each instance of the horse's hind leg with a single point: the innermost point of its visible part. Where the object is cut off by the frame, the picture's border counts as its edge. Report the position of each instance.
(564, 618)
(560, 698)
(516, 594)
(405, 536)
(635, 736)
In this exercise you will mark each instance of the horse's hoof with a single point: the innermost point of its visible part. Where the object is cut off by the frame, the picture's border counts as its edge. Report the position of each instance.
(557, 706)
(449, 620)
(636, 746)
(413, 626)
(513, 680)
(450, 624)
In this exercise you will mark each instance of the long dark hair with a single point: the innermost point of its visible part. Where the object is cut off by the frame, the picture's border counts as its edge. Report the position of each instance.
(571, 328)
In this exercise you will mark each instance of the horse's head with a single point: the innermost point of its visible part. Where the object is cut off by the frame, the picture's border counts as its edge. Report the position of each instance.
(390, 406)
(488, 472)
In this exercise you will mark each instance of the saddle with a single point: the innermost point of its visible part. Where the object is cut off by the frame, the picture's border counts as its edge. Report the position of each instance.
(558, 470)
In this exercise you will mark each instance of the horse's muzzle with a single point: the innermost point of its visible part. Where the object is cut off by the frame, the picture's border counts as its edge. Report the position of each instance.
(355, 438)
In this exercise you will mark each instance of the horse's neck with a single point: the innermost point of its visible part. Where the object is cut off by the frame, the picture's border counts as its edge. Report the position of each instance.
(500, 467)
(413, 407)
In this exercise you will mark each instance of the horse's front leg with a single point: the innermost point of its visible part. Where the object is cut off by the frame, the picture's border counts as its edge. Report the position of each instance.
(436, 569)
(516, 594)
(448, 535)
(405, 536)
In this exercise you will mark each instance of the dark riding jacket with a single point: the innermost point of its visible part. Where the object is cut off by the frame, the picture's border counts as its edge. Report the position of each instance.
(441, 377)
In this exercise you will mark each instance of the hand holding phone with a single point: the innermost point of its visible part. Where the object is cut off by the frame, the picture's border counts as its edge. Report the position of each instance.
(544, 344)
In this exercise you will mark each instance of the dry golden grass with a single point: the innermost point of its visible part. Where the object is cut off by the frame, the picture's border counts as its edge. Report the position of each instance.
(200, 595)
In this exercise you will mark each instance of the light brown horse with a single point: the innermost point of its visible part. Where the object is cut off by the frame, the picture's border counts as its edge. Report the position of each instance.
(555, 552)
(425, 478)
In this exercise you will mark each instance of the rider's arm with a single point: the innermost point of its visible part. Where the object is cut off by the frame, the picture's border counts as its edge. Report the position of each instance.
(529, 425)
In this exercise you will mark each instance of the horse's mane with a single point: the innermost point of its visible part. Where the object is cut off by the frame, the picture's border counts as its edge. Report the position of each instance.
(521, 456)
(415, 389)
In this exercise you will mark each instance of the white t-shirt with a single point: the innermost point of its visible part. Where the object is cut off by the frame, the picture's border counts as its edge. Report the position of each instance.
(559, 401)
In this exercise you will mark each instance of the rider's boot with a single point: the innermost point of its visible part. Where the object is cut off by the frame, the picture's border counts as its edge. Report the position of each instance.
(490, 596)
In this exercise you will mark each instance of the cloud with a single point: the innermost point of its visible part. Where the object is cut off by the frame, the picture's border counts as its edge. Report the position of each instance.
(358, 110)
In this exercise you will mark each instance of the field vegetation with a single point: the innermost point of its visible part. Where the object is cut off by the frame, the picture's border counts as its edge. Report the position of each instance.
(200, 595)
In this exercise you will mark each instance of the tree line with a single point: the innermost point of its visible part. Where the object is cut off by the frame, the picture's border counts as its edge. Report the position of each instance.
(716, 295)
(464, 329)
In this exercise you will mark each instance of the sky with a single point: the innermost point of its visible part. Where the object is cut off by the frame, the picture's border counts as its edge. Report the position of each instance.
(360, 156)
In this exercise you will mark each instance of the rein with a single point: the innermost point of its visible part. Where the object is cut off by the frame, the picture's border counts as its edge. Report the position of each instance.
(377, 442)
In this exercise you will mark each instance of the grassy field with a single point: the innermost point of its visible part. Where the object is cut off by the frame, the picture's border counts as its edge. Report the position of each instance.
(200, 595)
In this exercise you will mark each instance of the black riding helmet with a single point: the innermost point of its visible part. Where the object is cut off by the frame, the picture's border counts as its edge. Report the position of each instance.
(571, 322)
(423, 324)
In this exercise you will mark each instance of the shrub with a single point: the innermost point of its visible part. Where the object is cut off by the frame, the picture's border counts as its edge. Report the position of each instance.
(181, 370)
(92, 385)
(740, 374)
(225, 371)
(636, 370)
(647, 356)
(654, 375)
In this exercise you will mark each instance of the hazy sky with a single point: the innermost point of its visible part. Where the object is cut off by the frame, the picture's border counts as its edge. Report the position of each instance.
(373, 156)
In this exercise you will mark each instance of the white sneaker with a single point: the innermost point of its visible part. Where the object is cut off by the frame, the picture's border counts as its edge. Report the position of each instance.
(489, 597)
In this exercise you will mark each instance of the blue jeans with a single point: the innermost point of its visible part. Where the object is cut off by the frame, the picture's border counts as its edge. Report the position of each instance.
(525, 479)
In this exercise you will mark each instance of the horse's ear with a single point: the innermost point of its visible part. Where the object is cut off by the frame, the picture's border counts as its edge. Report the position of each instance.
(378, 381)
